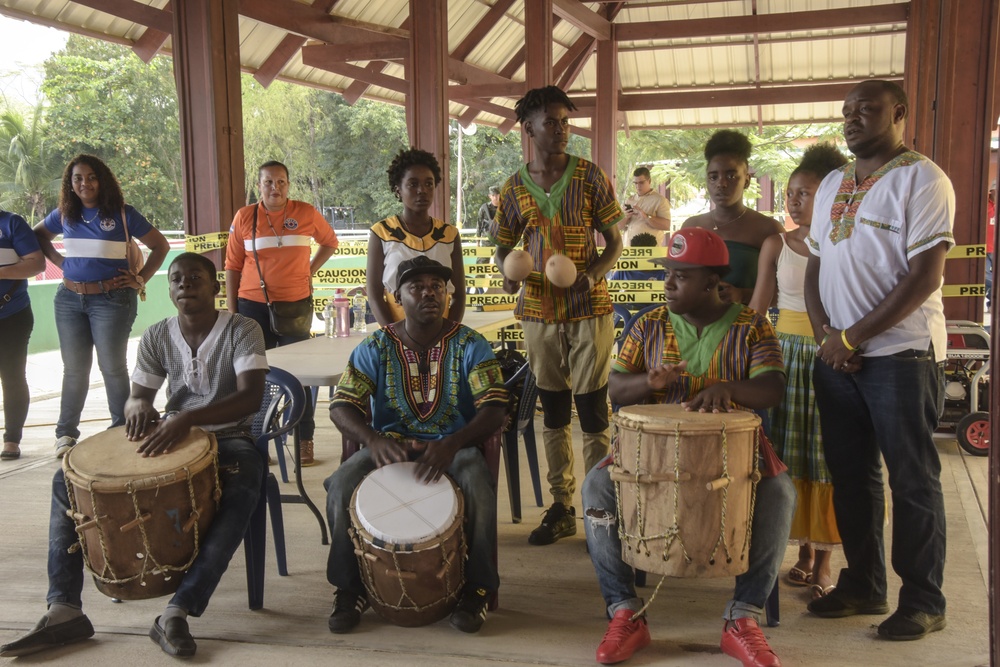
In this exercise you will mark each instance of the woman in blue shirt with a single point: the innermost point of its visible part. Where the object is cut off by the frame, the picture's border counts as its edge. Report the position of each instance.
(20, 259)
(96, 304)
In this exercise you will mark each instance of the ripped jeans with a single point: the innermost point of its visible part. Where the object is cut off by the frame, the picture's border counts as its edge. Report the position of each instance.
(772, 522)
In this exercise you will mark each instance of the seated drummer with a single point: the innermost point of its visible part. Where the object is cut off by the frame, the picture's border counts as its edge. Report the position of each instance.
(214, 366)
(712, 357)
(435, 392)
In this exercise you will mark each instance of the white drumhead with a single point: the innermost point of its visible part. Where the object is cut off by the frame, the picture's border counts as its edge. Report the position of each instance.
(397, 508)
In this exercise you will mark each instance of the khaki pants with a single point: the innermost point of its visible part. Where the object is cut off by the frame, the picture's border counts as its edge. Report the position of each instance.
(570, 356)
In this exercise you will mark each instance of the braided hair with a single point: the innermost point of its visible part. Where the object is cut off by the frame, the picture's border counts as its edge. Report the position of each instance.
(819, 160)
(409, 158)
(537, 99)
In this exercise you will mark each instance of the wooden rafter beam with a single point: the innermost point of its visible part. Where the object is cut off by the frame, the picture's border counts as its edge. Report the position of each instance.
(282, 54)
(573, 61)
(358, 73)
(391, 50)
(481, 29)
(312, 22)
(133, 11)
(747, 40)
(591, 23)
(823, 19)
(510, 89)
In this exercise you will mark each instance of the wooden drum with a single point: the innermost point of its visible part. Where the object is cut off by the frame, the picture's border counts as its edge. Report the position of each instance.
(141, 520)
(410, 544)
(685, 483)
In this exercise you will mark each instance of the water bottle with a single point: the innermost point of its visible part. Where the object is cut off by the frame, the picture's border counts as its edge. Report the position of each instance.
(360, 312)
(342, 306)
(328, 317)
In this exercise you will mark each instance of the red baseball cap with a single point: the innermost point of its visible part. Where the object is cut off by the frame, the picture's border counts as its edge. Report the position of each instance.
(695, 247)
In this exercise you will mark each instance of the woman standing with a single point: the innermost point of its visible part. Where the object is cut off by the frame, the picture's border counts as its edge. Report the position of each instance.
(96, 304)
(20, 258)
(743, 229)
(795, 426)
(413, 176)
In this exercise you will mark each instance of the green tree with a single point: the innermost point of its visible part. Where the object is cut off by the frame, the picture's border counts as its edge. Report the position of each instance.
(29, 172)
(105, 101)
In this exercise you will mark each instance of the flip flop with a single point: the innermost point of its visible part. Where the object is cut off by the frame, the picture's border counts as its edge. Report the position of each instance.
(820, 592)
(798, 577)
(10, 454)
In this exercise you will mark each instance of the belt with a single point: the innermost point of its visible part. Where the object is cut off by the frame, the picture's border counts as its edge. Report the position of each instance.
(97, 287)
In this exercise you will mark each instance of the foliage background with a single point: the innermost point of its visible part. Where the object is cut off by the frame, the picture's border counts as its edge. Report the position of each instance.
(100, 98)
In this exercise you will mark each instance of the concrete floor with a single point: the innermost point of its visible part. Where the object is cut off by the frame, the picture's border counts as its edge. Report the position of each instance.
(550, 610)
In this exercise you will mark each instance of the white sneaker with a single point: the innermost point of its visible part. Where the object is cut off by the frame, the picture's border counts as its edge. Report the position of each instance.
(63, 445)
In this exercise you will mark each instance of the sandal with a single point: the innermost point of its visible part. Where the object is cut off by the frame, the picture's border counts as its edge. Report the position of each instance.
(820, 592)
(9, 453)
(798, 577)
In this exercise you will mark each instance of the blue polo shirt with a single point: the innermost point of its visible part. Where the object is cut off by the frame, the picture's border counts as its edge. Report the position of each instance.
(16, 240)
(95, 245)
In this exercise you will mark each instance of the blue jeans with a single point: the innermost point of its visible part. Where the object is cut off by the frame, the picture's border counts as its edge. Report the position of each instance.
(772, 521)
(468, 470)
(241, 470)
(257, 312)
(86, 322)
(15, 330)
(890, 408)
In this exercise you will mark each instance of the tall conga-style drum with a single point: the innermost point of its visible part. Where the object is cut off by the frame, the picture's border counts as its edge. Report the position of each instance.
(685, 483)
(410, 544)
(141, 520)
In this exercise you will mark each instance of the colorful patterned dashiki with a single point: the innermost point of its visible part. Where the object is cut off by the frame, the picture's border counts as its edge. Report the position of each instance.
(563, 220)
(739, 346)
(426, 397)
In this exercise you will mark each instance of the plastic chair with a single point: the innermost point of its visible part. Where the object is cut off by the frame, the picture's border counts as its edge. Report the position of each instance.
(280, 411)
(523, 423)
(491, 451)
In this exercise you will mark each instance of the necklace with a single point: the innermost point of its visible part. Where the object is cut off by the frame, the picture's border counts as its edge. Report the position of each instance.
(729, 222)
(423, 362)
(267, 215)
(96, 216)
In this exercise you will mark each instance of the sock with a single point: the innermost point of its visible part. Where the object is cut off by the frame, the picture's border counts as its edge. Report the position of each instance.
(172, 611)
(60, 612)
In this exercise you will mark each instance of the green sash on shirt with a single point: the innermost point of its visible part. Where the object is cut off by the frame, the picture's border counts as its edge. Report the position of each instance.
(698, 352)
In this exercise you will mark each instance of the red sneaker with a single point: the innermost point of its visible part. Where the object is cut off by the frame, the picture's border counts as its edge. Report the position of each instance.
(623, 638)
(745, 642)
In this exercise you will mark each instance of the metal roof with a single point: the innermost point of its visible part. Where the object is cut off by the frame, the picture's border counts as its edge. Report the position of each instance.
(703, 68)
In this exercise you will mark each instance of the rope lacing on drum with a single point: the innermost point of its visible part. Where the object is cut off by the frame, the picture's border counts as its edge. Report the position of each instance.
(147, 555)
(725, 502)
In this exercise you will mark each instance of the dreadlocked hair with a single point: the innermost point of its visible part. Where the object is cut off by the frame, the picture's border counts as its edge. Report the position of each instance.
(409, 158)
(539, 98)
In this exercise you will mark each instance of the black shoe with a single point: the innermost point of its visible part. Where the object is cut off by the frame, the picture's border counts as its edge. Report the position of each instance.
(173, 637)
(347, 610)
(45, 636)
(907, 624)
(559, 521)
(838, 605)
(470, 613)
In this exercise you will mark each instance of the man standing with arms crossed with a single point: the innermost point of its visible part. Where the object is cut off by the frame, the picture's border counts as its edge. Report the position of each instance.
(882, 227)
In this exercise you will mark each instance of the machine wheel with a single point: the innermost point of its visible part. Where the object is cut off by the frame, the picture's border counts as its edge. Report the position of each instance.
(973, 433)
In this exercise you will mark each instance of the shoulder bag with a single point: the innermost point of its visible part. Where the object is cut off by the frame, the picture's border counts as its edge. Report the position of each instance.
(288, 318)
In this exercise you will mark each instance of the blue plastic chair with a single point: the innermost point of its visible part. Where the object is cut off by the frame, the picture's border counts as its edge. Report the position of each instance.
(280, 411)
(523, 424)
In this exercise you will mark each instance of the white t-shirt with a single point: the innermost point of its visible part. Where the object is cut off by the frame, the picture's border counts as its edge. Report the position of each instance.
(866, 234)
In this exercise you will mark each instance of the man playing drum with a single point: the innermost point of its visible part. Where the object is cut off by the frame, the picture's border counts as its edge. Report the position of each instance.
(214, 366)
(435, 393)
(709, 356)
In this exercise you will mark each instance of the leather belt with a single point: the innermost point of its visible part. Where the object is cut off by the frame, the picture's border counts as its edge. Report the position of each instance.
(97, 287)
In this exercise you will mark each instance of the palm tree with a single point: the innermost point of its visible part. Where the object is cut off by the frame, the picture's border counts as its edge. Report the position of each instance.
(29, 173)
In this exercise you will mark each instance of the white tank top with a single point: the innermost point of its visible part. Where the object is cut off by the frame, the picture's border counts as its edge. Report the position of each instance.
(791, 278)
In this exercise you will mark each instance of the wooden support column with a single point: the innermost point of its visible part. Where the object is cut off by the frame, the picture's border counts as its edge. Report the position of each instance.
(604, 145)
(537, 53)
(206, 50)
(951, 115)
(427, 103)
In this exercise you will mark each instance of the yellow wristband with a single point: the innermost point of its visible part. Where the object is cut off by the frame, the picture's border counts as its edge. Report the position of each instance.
(847, 344)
